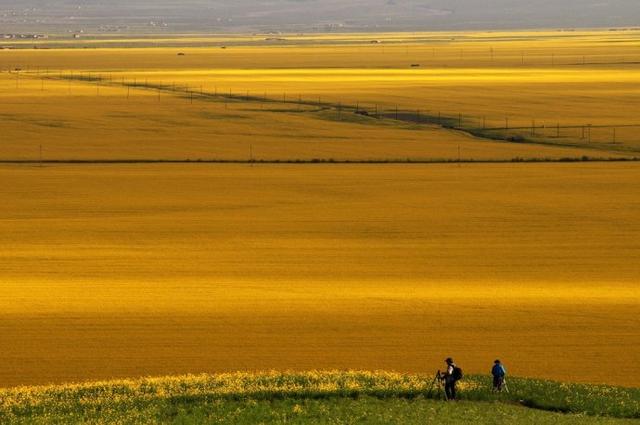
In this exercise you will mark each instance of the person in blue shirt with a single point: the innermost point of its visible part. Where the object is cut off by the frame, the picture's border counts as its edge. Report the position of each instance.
(499, 372)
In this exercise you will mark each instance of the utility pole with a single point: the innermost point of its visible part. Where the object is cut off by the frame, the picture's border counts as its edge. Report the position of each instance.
(533, 127)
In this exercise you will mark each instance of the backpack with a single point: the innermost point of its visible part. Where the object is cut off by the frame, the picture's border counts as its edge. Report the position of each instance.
(457, 373)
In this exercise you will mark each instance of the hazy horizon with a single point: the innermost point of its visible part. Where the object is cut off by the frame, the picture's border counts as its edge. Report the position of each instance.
(61, 16)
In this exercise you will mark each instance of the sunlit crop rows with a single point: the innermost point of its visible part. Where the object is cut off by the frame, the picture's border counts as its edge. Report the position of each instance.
(129, 270)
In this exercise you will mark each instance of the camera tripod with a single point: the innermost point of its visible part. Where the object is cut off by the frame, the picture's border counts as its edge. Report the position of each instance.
(438, 383)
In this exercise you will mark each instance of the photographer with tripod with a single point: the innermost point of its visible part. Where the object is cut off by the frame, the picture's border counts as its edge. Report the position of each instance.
(449, 378)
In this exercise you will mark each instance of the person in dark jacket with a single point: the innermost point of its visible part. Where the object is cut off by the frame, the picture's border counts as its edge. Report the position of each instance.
(499, 372)
(450, 379)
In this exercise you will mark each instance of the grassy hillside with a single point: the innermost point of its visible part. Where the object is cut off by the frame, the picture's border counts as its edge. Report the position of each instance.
(327, 397)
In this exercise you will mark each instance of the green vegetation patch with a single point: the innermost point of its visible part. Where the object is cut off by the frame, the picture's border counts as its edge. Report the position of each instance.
(316, 397)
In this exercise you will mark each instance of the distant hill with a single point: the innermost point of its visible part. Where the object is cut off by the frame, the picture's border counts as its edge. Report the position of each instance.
(310, 15)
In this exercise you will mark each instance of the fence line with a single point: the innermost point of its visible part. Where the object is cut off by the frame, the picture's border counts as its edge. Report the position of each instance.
(536, 132)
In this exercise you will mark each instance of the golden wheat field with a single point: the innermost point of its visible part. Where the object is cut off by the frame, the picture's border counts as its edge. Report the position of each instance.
(129, 269)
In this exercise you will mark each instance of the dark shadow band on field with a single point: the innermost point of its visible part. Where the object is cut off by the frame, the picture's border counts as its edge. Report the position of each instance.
(318, 161)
